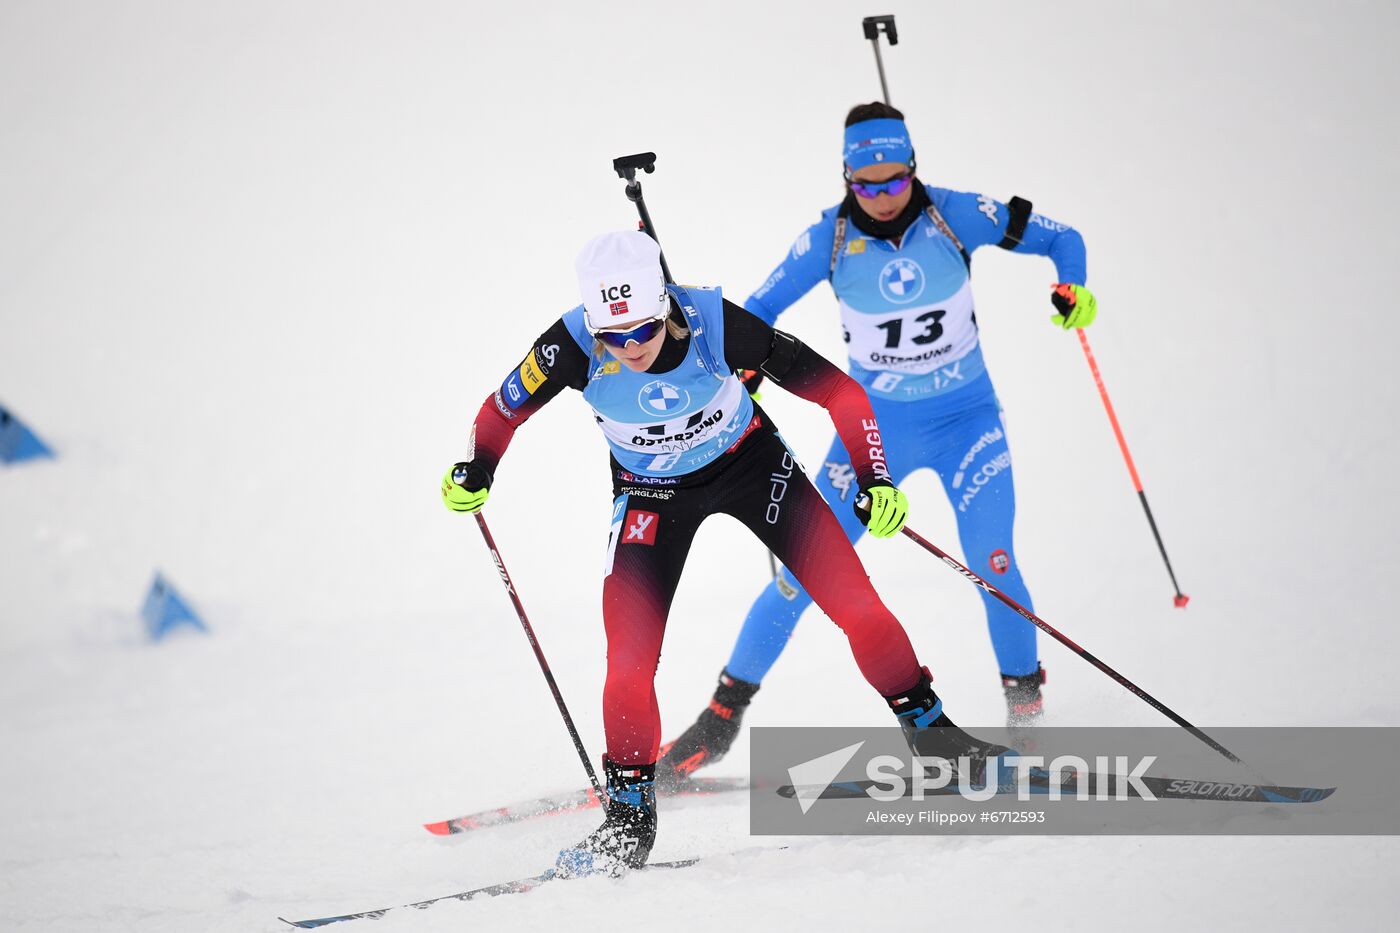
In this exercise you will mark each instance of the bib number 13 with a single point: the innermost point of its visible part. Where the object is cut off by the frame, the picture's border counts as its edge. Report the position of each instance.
(932, 329)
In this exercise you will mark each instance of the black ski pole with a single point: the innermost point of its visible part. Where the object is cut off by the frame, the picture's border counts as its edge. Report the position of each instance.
(539, 653)
(873, 26)
(1053, 632)
(627, 167)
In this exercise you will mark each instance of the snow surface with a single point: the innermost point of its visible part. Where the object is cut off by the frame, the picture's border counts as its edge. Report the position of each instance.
(261, 261)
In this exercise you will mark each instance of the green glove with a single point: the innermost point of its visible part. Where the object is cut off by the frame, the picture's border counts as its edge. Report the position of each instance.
(458, 493)
(882, 508)
(1076, 304)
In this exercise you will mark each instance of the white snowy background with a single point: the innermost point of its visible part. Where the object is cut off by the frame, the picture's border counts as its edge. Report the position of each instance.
(260, 262)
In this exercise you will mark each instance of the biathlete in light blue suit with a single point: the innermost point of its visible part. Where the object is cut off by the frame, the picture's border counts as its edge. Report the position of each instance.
(898, 256)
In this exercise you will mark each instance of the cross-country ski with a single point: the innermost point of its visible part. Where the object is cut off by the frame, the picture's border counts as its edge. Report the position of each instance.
(558, 804)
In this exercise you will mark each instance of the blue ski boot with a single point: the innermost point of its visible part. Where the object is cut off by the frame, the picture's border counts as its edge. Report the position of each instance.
(625, 839)
(931, 734)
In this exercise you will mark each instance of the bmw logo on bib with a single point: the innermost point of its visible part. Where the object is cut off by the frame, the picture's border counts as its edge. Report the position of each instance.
(662, 398)
(901, 281)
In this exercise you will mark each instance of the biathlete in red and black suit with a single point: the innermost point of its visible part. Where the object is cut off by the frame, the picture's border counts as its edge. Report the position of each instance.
(656, 362)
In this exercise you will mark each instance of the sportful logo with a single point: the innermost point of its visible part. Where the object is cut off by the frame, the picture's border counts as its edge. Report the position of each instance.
(662, 397)
(901, 281)
(989, 437)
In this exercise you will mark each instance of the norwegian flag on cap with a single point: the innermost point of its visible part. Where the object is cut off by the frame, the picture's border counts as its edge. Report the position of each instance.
(617, 307)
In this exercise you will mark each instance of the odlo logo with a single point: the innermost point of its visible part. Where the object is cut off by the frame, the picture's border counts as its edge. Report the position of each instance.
(1000, 561)
(778, 487)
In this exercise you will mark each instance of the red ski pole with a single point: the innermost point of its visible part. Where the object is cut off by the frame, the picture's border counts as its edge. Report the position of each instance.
(1181, 599)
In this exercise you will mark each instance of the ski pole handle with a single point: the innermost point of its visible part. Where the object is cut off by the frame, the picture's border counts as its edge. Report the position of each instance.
(471, 477)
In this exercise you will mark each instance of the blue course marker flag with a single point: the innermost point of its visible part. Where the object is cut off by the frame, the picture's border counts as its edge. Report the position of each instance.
(17, 442)
(166, 609)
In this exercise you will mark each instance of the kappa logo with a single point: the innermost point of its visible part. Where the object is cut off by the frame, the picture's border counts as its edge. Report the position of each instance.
(662, 397)
(901, 281)
(841, 477)
(987, 206)
(641, 527)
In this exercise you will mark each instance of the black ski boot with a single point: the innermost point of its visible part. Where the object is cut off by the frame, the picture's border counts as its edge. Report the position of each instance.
(1024, 705)
(930, 733)
(710, 737)
(625, 839)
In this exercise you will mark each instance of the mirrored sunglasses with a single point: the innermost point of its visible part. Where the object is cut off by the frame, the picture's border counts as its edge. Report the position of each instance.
(639, 334)
(892, 187)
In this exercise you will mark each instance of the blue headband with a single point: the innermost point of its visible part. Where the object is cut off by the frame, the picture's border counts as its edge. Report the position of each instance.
(876, 141)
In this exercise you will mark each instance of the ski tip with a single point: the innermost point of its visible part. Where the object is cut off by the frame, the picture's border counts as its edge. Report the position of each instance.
(439, 829)
(1180, 600)
(1297, 794)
